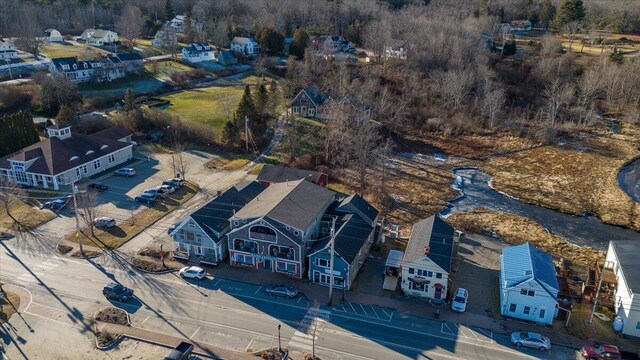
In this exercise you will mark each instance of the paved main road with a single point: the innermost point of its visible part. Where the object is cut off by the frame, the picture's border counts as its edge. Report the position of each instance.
(231, 315)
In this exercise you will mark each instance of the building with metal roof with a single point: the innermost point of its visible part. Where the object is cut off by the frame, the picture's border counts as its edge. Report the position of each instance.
(622, 258)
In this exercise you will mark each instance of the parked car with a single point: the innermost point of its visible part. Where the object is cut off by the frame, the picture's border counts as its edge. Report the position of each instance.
(168, 189)
(135, 143)
(600, 352)
(104, 222)
(98, 186)
(287, 291)
(459, 302)
(146, 198)
(157, 191)
(531, 340)
(56, 204)
(193, 272)
(125, 172)
(116, 291)
(181, 352)
(174, 184)
(171, 228)
(178, 181)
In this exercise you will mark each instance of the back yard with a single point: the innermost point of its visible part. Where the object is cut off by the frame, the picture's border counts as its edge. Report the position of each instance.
(142, 84)
(69, 49)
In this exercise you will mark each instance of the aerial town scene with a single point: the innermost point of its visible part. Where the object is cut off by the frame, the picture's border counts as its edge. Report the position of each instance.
(319, 179)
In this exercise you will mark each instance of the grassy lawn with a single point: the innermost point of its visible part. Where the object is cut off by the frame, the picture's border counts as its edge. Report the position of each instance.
(83, 52)
(580, 176)
(26, 215)
(598, 330)
(126, 230)
(167, 68)
(9, 306)
(211, 106)
(514, 229)
(141, 84)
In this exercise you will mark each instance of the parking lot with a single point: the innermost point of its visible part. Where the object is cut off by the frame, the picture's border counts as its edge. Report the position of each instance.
(478, 271)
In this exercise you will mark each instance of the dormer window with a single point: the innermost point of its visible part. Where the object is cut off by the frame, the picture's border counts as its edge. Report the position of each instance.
(75, 67)
(73, 158)
(85, 65)
(89, 152)
(104, 147)
(65, 67)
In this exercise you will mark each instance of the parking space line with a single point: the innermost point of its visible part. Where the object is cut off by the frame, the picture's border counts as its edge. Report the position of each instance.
(389, 316)
(255, 293)
(145, 320)
(363, 310)
(374, 312)
(354, 309)
(194, 333)
(216, 284)
(299, 299)
(488, 334)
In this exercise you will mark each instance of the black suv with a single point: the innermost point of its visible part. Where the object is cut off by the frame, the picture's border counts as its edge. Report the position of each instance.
(117, 292)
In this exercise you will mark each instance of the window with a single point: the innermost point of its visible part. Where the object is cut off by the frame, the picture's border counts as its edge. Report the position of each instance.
(527, 310)
(78, 172)
(84, 169)
(531, 293)
(322, 262)
(192, 225)
(286, 267)
(311, 111)
(97, 164)
(513, 307)
(198, 237)
(418, 286)
(411, 270)
(338, 281)
(243, 259)
(429, 273)
(190, 236)
(523, 291)
(111, 159)
(296, 110)
(438, 275)
(638, 325)
(542, 313)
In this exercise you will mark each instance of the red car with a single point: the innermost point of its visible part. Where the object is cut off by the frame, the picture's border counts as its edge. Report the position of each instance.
(600, 352)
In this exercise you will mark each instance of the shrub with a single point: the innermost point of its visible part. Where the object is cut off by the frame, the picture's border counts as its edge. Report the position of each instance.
(183, 78)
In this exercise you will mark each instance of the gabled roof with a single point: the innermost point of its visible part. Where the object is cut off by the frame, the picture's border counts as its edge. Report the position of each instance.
(628, 252)
(100, 33)
(196, 48)
(357, 203)
(243, 40)
(226, 54)
(215, 215)
(113, 133)
(278, 174)
(293, 203)
(53, 156)
(351, 234)
(436, 235)
(71, 61)
(525, 262)
(314, 94)
(134, 56)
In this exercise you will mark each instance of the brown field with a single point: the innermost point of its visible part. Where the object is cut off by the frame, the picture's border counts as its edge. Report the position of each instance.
(580, 176)
(514, 229)
(28, 216)
(9, 306)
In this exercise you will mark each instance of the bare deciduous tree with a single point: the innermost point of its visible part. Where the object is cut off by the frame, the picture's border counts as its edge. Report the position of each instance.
(557, 95)
(182, 161)
(454, 87)
(10, 194)
(492, 103)
(130, 23)
(89, 209)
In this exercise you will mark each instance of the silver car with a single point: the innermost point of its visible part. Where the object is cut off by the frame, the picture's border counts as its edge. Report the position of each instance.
(287, 291)
(531, 340)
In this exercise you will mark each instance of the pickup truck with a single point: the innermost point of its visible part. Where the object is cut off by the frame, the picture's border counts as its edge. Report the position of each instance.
(180, 352)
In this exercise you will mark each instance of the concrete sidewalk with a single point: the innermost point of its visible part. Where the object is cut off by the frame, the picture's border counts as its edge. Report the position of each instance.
(170, 341)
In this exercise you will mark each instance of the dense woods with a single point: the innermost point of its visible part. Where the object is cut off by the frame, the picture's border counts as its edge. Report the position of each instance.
(16, 132)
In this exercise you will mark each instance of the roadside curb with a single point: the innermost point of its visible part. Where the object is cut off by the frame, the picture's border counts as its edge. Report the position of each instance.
(112, 344)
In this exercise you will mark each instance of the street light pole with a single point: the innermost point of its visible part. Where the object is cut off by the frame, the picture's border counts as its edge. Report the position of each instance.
(332, 244)
(74, 190)
(279, 342)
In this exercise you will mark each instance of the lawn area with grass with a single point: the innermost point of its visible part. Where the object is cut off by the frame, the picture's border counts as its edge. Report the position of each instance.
(598, 331)
(28, 216)
(580, 176)
(141, 84)
(166, 68)
(83, 52)
(515, 230)
(123, 232)
(9, 306)
(210, 106)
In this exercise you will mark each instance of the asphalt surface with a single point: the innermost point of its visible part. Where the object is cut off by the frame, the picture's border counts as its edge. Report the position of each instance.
(582, 231)
(236, 316)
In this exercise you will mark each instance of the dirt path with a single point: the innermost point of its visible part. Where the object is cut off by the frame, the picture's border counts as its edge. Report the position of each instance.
(587, 231)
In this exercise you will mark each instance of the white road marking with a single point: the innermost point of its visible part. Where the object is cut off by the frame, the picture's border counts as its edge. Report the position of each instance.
(255, 293)
(194, 333)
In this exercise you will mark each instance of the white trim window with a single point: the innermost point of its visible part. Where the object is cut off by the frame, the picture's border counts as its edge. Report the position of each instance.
(111, 159)
(243, 259)
(286, 267)
(322, 262)
(198, 250)
(311, 112)
(97, 164)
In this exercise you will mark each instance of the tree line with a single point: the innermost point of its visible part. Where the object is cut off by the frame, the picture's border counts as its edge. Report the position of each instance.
(17, 131)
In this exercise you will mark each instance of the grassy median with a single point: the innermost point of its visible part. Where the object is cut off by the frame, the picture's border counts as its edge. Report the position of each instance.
(124, 231)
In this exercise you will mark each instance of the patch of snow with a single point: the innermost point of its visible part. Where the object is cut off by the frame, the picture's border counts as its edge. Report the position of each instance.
(562, 143)
(440, 156)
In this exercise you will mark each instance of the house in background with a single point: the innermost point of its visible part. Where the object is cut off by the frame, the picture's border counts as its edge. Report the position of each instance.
(245, 45)
(308, 102)
(355, 228)
(66, 157)
(52, 35)
(528, 284)
(100, 70)
(198, 52)
(397, 49)
(99, 37)
(622, 258)
(227, 57)
(200, 237)
(74, 70)
(165, 38)
(520, 25)
(177, 24)
(270, 174)
(326, 45)
(428, 259)
(275, 231)
(8, 50)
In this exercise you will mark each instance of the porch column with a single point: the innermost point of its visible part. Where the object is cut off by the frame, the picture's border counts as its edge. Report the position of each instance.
(33, 176)
(55, 183)
(44, 182)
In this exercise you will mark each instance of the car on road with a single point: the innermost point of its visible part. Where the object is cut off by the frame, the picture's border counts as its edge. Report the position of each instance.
(128, 172)
(56, 204)
(531, 340)
(600, 352)
(115, 291)
(98, 186)
(146, 198)
(283, 290)
(459, 302)
(193, 272)
(104, 222)
(157, 191)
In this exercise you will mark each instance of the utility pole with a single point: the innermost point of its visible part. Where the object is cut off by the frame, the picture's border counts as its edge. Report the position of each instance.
(332, 244)
(246, 133)
(74, 190)
(595, 300)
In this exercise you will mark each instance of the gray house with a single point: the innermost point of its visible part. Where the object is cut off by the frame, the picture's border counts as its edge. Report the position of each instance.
(200, 237)
(355, 227)
(277, 228)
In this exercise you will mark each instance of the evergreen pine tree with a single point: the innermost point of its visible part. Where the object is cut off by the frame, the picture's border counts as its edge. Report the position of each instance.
(168, 10)
(275, 99)
(569, 11)
(129, 101)
(65, 116)
(262, 98)
(616, 56)
(17, 131)
(299, 42)
(246, 109)
(231, 133)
